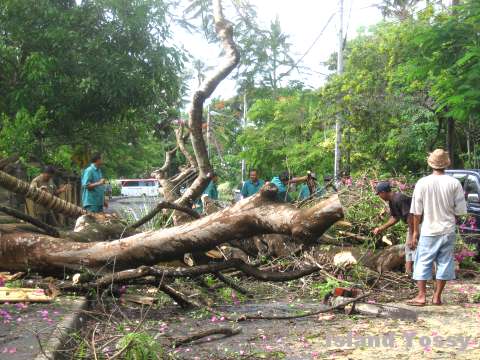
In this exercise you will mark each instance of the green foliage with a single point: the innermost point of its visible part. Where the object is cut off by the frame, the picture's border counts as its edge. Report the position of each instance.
(231, 296)
(96, 75)
(476, 298)
(285, 134)
(116, 189)
(140, 346)
(402, 81)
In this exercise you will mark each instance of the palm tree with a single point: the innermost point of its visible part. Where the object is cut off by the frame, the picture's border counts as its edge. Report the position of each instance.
(399, 9)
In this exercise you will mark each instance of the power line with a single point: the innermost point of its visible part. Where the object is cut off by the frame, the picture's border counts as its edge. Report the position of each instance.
(310, 48)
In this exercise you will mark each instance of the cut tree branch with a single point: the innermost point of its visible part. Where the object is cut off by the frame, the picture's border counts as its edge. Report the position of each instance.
(194, 271)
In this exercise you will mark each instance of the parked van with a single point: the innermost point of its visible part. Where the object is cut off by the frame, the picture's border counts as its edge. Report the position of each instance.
(139, 187)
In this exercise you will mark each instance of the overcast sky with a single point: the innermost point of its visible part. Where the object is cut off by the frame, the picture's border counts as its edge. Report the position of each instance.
(303, 21)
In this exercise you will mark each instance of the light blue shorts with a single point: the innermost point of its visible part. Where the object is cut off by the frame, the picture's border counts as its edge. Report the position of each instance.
(438, 249)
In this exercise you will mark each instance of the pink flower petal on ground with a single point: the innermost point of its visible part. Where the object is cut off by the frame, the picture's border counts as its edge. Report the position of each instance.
(427, 349)
(434, 333)
(12, 351)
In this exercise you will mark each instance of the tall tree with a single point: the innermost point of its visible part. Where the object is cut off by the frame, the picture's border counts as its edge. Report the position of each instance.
(84, 69)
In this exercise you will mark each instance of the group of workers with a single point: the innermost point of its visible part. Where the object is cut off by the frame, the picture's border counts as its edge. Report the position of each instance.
(309, 187)
(437, 201)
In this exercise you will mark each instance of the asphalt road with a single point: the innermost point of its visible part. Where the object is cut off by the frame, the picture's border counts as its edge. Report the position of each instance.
(136, 206)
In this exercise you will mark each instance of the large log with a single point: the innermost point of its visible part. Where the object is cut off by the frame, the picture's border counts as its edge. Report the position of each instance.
(259, 214)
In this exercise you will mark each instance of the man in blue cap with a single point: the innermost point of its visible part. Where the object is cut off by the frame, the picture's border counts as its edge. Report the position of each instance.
(399, 210)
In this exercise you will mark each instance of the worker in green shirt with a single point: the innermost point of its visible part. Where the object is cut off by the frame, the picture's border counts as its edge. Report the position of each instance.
(282, 182)
(252, 185)
(210, 191)
(310, 187)
(93, 188)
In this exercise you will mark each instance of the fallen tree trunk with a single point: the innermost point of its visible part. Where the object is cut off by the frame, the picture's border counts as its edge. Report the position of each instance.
(259, 214)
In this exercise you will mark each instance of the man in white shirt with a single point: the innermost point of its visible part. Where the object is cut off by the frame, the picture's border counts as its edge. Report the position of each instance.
(438, 199)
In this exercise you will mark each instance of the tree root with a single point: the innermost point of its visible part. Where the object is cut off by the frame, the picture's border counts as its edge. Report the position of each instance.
(231, 283)
(226, 331)
(178, 297)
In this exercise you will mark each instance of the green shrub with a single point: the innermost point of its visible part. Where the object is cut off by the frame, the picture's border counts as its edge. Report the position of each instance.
(140, 346)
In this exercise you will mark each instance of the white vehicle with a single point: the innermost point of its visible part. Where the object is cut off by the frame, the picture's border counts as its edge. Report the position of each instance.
(139, 187)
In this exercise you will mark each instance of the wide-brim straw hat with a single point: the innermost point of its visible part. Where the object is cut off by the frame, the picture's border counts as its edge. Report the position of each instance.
(438, 159)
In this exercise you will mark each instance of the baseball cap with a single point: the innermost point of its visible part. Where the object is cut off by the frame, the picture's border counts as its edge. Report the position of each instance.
(383, 186)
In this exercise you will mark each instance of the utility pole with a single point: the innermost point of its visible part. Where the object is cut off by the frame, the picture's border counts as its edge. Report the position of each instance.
(244, 125)
(338, 121)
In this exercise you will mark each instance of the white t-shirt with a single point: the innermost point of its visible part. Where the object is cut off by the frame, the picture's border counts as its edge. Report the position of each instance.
(438, 198)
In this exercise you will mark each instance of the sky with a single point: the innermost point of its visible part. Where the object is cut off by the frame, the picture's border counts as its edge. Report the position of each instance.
(303, 21)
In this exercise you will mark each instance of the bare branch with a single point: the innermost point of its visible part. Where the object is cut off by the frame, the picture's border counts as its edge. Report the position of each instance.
(168, 272)
(159, 207)
(50, 230)
(224, 31)
(226, 331)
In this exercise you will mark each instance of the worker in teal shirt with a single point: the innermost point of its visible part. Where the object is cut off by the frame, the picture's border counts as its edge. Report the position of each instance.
(210, 191)
(93, 188)
(282, 182)
(252, 185)
(310, 187)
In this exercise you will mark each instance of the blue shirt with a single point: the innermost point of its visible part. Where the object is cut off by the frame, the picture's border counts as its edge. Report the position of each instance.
(282, 194)
(249, 188)
(95, 196)
(211, 191)
(304, 192)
